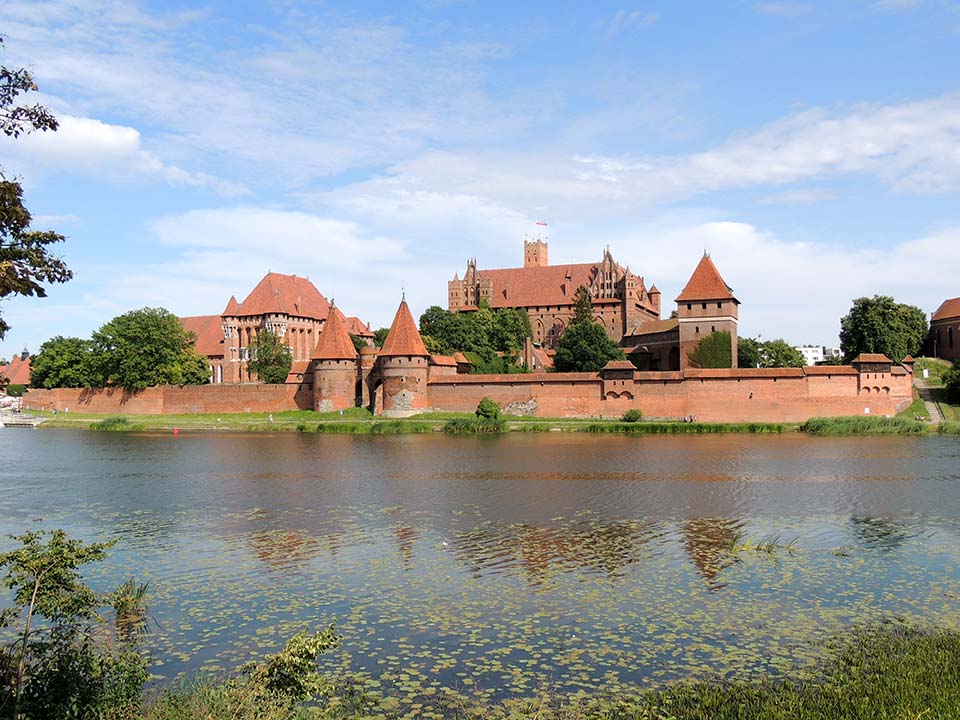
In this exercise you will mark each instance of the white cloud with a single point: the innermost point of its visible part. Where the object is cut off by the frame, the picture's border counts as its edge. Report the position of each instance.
(96, 148)
(623, 20)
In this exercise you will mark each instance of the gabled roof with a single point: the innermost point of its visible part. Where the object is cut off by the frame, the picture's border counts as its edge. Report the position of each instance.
(356, 326)
(445, 360)
(619, 365)
(285, 294)
(232, 308)
(209, 332)
(948, 309)
(403, 338)
(18, 371)
(871, 358)
(537, 286)
(652, 327)
(706, 284)
(335, 342)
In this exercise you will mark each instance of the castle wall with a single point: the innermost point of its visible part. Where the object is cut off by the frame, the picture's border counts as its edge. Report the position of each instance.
(334, 385)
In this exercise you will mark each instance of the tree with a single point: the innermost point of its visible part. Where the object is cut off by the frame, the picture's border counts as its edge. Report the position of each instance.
(483, 331)
(270, 358)
(582, 305)
(749, 352)
(585, 347)
(511, 327)
(951, 383)
(780, 354)
(358, 342)
(62, 362)
(143, 348)
(25, 260)
(380, 336)
(881, 325)
(713, 351)
(487, 409)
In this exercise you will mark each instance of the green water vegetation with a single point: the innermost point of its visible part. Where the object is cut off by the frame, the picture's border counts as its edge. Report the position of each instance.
(76, 664)
(864, 425)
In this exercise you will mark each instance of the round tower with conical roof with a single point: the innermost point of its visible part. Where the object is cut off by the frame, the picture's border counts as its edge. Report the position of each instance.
(334, 364)
(706, 305)
(404, 368)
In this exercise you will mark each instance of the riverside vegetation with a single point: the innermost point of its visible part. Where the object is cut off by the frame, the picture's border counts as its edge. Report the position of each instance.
(69, 661)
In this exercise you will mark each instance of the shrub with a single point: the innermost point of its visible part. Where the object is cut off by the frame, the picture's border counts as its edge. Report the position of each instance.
(632, 416)
(488, 409)
(951, 383)
(474, 426)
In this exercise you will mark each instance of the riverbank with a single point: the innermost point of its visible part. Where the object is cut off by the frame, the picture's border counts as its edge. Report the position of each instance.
(358, 421)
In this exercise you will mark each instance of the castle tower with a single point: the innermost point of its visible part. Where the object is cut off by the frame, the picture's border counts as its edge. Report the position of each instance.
(705, 306)
(654, 295)
(334, 366)
(404, 368)
(231, 341)
(535, 254)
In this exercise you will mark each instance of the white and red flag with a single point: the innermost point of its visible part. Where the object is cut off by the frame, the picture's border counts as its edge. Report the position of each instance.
(541, 223)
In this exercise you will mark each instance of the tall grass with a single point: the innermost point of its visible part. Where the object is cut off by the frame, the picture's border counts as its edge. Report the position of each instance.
(117, 423)
(863, 425)
(949, 428)
(678, 428)
(475, 426)
(383, 427)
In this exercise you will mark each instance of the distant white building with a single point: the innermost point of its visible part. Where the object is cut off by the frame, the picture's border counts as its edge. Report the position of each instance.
(812, 354)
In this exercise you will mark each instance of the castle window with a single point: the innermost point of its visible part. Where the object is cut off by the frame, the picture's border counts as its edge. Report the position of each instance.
(689, 306)
(950, 336)
(713, 328)
(703, 306)
(697, 329)
(719, 305)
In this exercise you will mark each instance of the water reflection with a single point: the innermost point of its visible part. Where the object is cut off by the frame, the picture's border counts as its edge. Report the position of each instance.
(709, 543)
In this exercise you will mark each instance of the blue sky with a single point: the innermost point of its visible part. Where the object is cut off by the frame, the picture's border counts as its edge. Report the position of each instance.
(814, 148)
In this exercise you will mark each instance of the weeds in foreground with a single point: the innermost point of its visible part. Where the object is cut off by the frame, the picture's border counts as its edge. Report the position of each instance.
(117, 423)
(865, 425)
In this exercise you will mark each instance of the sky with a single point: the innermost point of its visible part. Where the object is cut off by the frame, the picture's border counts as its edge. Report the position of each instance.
(812, 148)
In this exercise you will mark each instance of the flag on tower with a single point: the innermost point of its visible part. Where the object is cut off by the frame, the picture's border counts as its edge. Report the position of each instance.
(541, 223)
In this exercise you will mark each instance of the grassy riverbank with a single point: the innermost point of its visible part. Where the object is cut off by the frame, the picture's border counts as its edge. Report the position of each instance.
(890, 671)
(358, 421)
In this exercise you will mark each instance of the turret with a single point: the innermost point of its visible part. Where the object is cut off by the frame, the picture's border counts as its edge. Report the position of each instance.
(706, 305)
(404, 368)
(334, 366)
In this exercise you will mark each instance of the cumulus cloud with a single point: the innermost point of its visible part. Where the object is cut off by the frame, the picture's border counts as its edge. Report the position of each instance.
(115, 152)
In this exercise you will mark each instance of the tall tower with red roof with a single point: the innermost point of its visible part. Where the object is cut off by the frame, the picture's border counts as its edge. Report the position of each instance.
(334, 362)
(706, 305)
(404, 368)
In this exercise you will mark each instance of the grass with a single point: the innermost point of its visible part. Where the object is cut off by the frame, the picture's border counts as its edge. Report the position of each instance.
(885, 672)
(936, 368)
(678, 428)
(916, 409)
(863, 425)
(475, 426)
(116, 423)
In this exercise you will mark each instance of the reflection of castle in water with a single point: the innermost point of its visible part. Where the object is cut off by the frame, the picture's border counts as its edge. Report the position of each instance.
(708, 542)
(539, 551)
(878, 532)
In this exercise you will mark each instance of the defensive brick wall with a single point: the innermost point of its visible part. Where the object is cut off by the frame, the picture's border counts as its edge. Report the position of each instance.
(173, 399)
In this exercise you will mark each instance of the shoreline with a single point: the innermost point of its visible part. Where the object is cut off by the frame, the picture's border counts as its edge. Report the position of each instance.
(359, 422)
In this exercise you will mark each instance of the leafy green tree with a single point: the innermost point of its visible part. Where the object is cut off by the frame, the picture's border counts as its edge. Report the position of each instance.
(380, 336)
(582, 305)
(749, 351)
(143, 348)
(25, 258)
(64, 673)
(951, 383)
(510, 329)
(713, 351)
(487, 409)
(779, 354)
(358, 342)
(433, 346)
(271, 359)
(585, 347)
(62, 363)
(882, 325)
(481, 331)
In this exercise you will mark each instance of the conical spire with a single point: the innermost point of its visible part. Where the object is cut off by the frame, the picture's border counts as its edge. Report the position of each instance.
(706, 284)
(233, 307)
(403, 338)
(335, 342)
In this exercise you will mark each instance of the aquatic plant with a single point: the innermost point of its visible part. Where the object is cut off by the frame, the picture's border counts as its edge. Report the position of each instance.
(863, 425)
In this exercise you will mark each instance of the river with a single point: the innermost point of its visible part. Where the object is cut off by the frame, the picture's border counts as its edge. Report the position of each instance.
(503, 564)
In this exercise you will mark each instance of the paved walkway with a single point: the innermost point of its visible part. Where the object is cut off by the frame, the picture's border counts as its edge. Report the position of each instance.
(933, 410)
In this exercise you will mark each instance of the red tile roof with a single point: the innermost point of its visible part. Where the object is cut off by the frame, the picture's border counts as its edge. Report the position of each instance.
(619, 365)
(232, 308)
(538, 286)
(443, 360)
(335, 342)
(948, 309)
(355, 326)
(871, 358)
(461, 358)
(403, 338)
(287, 294)
(18, 371)
(908, 359)
(706, 284)
(829, 370)
(653, 327)
(209, 332)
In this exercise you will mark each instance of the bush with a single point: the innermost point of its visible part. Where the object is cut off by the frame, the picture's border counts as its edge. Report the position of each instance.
(488, 409)
(471, 426)
(951, 383)
(117, 423)
(632, 416)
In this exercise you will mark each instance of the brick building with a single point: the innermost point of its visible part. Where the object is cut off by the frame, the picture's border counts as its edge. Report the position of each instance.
(289, 306)
(621, 299)
(945, 330)
(18, 371)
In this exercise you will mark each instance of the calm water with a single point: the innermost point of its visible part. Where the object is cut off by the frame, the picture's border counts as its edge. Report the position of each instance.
(505, 563)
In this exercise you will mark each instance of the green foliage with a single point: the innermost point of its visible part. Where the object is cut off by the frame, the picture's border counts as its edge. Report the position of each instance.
(358, 342)
(475, 426)
(863, 425)
(632, 416)
(16, 390)
(292, 673)
(380, 336)
(117, 423)
(881, 325)
(778, 353)
(143, 348)
(25, 258)
(951, 383)
(749, 352)
(585, 347)
(683, 428)
(433, 346)
(482, 331)
(63, 363)
(271, 359)
(487, 409)
(713, 351)
(582, 306)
